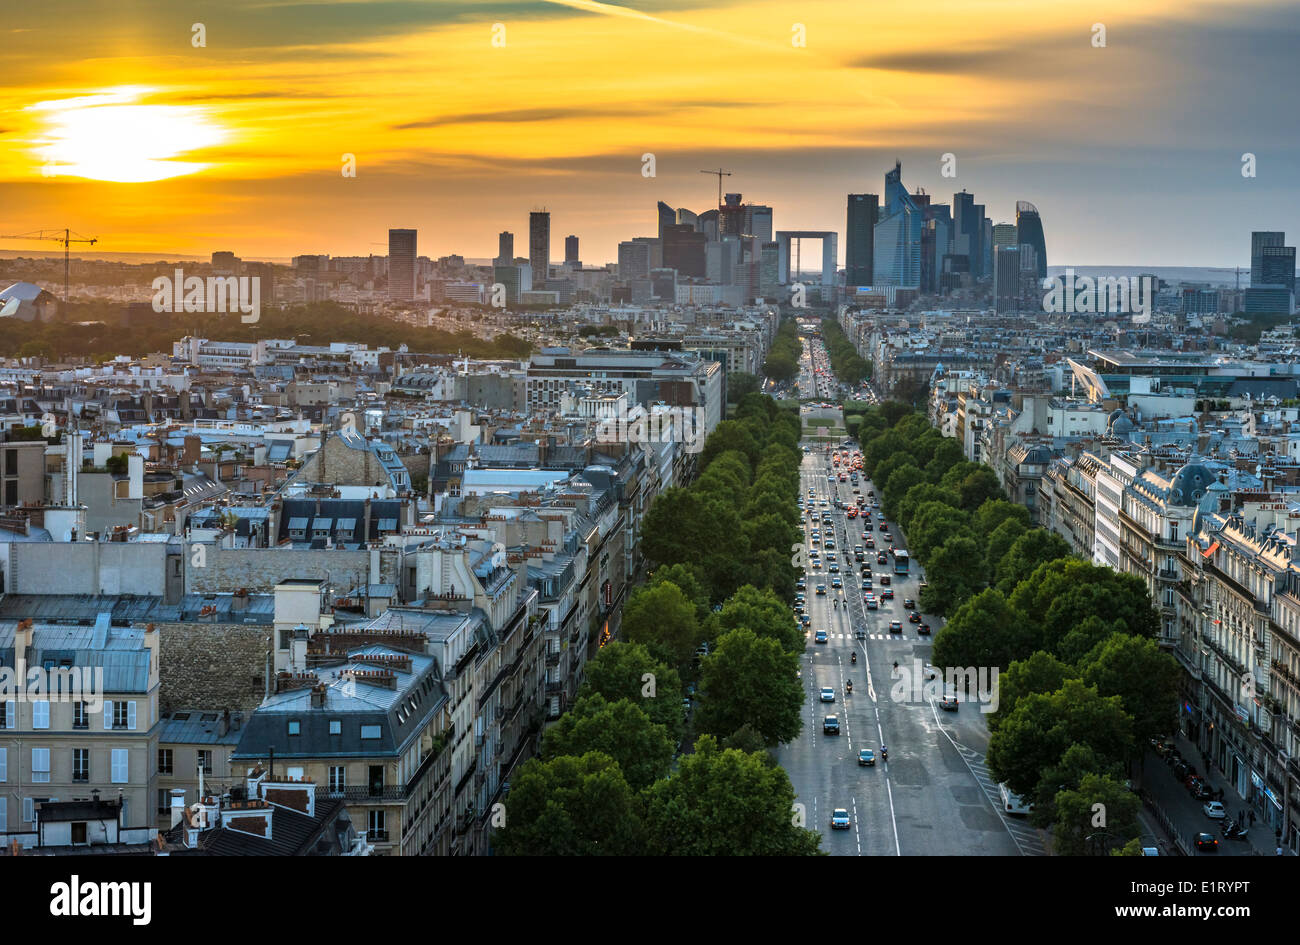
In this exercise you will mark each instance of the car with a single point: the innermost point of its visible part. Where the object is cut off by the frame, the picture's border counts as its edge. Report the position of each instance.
(882, 558)
(801, 585)
(924, 629)
(866, 581)
(1206, 841)
(805, 619)
(840, 819)
(820, 636)
(887, 594)
(834, 569)
(948, 703)
(870, 601)
(1214, 810)
(831, 725)
(871, 543)
(828, 694)
(866, 757)
(835, 581)
(909, 604)
(895, 626)
(867, 527)
(914, 617)
(821, 590)
(886, 580)
(1202, 791)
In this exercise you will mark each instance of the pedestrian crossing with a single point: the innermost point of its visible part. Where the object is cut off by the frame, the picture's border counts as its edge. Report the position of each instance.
(849, 637)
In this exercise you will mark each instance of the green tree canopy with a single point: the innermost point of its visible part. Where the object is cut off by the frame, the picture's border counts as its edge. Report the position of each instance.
(751, 680)
(621, 730)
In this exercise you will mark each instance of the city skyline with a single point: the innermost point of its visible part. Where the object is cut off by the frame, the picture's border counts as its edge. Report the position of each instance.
(1114, 173)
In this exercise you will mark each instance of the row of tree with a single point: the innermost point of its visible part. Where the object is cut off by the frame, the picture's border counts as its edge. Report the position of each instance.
(782, 362)
(845, 362)
(606, 781)
(1082, 683)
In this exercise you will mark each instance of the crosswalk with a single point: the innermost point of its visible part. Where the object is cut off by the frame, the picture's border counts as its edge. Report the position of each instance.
(846, 637)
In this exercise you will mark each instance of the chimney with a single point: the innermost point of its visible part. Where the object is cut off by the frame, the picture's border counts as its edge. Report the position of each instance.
(178, 805)
(298, 648)
(318, 696)
(23, 639)
(239, 600)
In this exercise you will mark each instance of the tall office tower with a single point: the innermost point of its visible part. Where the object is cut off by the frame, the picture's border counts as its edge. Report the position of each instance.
(758, 222)
(667, 217)
(897, 251)
(1258, 240)
(1277, 267)
(634, 260)
(401, 265)
(517, 280)
(986, 242)
(1029, 229)
(938, 223)
(539, 245)
(719, 257)
(1004, 234)
(731, 216)
(966, 229)
(687, 217)
(707, 223)
(768, 269)
(859, 242)
(683, 248)
(1006, 278)
(571, 251)
(505, 249)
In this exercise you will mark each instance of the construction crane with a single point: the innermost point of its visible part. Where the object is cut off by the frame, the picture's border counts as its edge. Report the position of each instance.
(720, 174)
(67, 238)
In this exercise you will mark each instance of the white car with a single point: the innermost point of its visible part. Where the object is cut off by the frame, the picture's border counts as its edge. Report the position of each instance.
(840, 819)
(1214, 810)
(828, 694)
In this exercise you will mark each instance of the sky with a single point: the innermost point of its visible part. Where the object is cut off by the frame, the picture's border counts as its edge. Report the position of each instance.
(462, 117)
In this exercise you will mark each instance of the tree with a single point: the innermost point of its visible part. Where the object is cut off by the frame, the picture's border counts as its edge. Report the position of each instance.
(896, 486)
(978, 487)
(730, 435)
(946, 454)
(750, 680)
(1035, 547)
(956, 571)
(921, 494)
(1143, 676)
(985, 631)
(1033, 738)
(739, 385)
(1097, 817)
(994, 512)
(952, 479)
(689, 582)
(764, 613)
(725, 802)
(662, 615)
(932, 525)
(1063, 593)
(571, 807)
(1041, 672)
(999, 543)
(769, 530)
(1078, 762)
(620, 670)
(621, 730)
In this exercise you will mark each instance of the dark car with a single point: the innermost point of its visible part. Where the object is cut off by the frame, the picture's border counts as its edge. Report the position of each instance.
(914, 617)
(924, 629)
(909, 604)
(831, 726)
(1206, 841)
(882, 558)
(886, 580)
(895, 626)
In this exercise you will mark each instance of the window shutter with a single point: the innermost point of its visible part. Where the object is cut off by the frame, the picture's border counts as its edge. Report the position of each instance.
(29, 810)
(130, 716)
(108, 715)
(4, 765)
(11, 714)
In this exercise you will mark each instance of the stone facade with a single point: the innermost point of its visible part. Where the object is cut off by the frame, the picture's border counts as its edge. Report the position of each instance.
(212, 664)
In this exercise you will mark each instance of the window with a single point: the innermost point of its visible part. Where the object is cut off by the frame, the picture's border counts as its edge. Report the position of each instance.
(164, 800)
(296, 773)
(378, 822)
(29, 810)
(338, 779)
(40, 765)
(295, 727)
(11, 462)
(80, 715)
(370, 731)
(123, 714)
(120, 766)
(165, 761)
(41, 714)
(336, 726)
(79, 831)
(205, 760)
(4, 767)
(8, 714)
(4, 814)
(81, 764)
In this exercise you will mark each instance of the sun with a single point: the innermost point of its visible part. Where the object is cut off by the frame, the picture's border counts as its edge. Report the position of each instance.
(108, 136)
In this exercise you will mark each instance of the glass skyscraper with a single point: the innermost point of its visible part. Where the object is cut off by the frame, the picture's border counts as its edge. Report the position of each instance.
(1029, 229)
(859, 243)
(897, 251)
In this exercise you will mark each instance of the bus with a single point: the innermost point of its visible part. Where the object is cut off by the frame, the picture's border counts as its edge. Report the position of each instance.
(900, 561)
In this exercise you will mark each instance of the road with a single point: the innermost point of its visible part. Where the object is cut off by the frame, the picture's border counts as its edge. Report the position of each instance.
(933, 796)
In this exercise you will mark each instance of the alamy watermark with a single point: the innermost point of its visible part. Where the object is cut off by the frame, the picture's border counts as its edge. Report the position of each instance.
(21, 683)
(215, 294)
(1071, 294)
(683, 425)
(978, 684)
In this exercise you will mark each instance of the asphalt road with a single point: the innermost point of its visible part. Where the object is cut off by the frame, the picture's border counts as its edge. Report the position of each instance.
(934, 795)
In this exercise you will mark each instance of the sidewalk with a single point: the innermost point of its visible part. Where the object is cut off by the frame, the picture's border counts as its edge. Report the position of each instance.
(1184, 813)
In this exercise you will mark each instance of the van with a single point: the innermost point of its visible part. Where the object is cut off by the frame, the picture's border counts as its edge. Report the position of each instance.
(1013, 803)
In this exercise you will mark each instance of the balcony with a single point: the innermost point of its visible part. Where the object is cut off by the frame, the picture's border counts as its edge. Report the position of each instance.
(368, 794)
(553, 658)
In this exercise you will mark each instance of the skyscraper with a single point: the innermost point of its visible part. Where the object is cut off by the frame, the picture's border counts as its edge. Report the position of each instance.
(571, 251)
(897, 237)
(1277, 267)
(965, 230)
(1258, 241)
(667, 217)
(1004, 234)
(505, 249)
(401, 265)
(539, 245)
(1029, 229)
(1006, 278)
(683, 248)
(859, 239)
